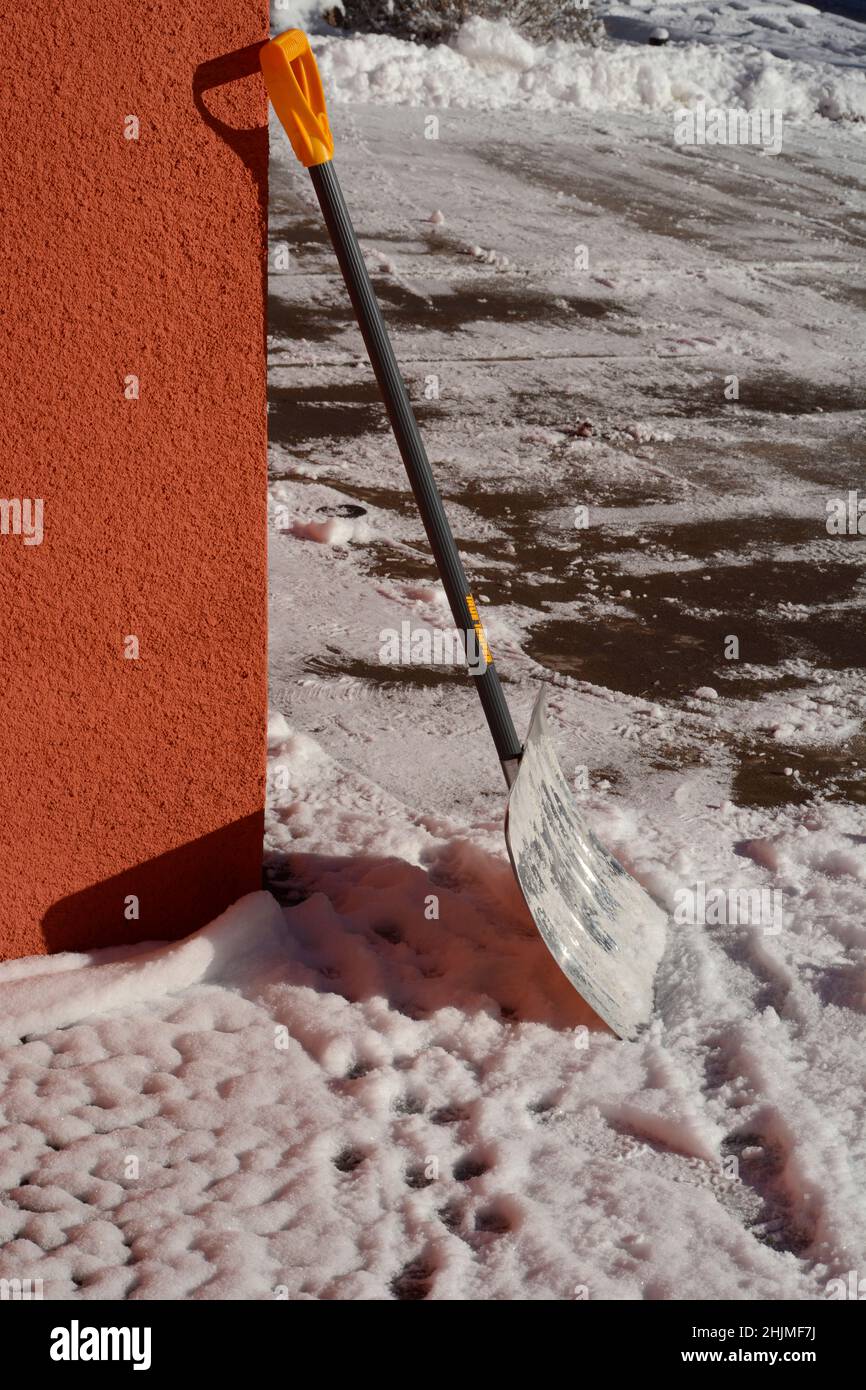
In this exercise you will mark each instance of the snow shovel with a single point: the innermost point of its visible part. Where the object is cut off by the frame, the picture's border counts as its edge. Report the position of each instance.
(603, 930)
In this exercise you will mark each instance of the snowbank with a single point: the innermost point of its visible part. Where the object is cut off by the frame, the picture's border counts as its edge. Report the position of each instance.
(491, 67)
(38, 994)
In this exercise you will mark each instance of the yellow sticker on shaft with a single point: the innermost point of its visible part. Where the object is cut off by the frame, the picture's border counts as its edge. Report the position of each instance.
(479, 629)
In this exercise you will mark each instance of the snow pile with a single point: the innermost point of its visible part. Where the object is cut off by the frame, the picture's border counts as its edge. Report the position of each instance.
(490, 67)
(333, 531)
(52, 992)
(295, 14)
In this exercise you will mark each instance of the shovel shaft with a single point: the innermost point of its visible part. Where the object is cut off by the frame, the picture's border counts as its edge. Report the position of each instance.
(414, 455)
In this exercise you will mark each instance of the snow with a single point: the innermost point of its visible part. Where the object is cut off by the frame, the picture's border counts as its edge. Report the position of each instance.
(785, 28)
(63, 989)
(294, 14)
(383, 1087)
(490, 67)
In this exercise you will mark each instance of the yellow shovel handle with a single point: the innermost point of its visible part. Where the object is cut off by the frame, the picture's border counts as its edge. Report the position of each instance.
(295, 89)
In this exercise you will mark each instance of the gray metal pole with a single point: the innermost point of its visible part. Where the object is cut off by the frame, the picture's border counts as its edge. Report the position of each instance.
(413, 453)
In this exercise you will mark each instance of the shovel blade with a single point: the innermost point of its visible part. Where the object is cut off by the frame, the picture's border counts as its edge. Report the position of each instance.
(603, 930)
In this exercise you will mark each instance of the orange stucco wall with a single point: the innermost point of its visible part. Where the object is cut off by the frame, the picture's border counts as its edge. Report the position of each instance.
(131, 257)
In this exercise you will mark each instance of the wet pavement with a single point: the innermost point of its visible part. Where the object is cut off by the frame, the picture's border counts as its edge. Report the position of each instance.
(706, 521)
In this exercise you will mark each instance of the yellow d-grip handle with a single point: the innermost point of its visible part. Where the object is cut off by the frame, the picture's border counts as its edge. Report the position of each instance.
(295, 89)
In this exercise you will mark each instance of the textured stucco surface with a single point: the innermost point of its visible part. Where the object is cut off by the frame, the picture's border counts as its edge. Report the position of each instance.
(146, 257)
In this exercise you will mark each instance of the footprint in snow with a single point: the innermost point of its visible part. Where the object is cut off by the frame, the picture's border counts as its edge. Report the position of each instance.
(348, 1160)
(468, 1167)
(414, 1281)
